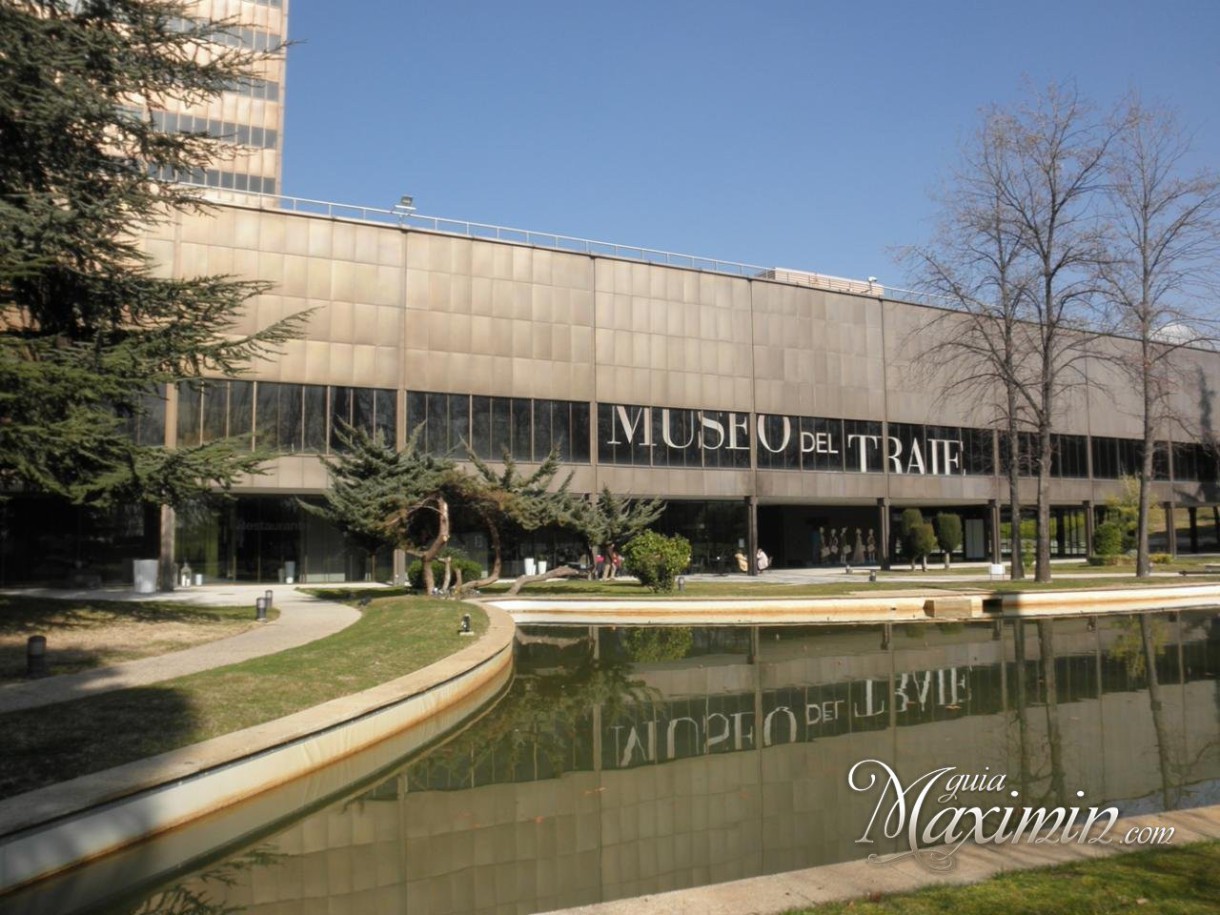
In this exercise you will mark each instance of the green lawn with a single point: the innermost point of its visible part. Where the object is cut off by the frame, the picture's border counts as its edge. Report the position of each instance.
(394, 636)
(1174, 880)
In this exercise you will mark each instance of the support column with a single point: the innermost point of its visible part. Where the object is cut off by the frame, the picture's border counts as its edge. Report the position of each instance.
(752, 533)
(166, 571)
(883, 532)
(1171, 531)
(993, 521)
(400, 568)
(1060, 534)
(1193, 514)
(1090, 520)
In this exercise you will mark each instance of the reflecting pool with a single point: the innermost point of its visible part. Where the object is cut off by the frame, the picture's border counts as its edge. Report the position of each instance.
(625, 761)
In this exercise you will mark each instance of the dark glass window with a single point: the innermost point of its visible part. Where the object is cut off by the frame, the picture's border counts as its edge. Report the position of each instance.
(822, 444)
(1185, 461)
(779, 442)
(522, 434)
(144, 421)
(278, 425)
(364, 409)
(676, 436)
(623, 434)
(978, 451)
(1027, 443)
(340, 417)
(1115, 457)
(480, 427)
(1160, 461)
(726, 438)
(580, 432)
(315, 417)
(906, 449)
(864, 446)
(1069, 456)
(241, 411)
(190, 407)
(417, 413)
(215, 410)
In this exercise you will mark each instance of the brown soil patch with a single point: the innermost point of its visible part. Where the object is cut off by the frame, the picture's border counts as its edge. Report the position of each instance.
(86, 637)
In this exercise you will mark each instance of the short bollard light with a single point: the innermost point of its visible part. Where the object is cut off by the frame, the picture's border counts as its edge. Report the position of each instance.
(260, 609)
(872, 575)
(465, 630)
(681, 583)
(36, 657)
(267, 595)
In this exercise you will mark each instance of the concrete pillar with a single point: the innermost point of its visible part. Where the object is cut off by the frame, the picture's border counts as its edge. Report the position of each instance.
(993, 522)
(166, 571)
(1171, 531)
(1193, 514)
(752, 533)
(1060, 534)
(1090, 520)
(400, 567)
(883, 532)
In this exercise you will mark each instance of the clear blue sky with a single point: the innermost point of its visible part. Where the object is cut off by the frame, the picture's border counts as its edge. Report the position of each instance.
(793, 134)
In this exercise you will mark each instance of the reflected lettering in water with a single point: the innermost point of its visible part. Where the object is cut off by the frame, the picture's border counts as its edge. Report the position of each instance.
(626, 761)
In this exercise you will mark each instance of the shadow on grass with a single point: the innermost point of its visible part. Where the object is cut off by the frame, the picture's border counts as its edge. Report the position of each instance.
(50, 744)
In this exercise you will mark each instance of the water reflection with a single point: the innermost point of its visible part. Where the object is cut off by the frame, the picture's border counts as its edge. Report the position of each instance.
(629, 761)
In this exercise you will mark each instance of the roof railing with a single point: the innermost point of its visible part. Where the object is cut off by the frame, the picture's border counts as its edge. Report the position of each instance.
(406, 217)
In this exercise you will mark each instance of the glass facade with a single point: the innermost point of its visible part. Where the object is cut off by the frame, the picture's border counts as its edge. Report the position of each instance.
(527, 430)
(270, 538)
(282, 418)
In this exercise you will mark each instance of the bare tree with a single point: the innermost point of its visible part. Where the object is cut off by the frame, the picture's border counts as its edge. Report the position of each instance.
(1056, 151)
(1162, 245)
(978, 266)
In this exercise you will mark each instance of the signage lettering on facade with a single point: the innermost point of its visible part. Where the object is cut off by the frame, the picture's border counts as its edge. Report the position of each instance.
(681, 430)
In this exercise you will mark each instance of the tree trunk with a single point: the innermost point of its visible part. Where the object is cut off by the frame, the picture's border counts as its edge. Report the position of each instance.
(560, 572)
(438, 544)
(497, 566)
(1014, 490)
(1143, 565)
(1043, 526)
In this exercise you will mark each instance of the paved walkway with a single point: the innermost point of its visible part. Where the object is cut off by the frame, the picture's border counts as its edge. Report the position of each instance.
(777, 893)
(302, 619)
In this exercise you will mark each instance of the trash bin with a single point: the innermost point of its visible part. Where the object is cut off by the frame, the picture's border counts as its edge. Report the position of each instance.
(144, 575)
(530, 567)
(198, 579)
(541, 566)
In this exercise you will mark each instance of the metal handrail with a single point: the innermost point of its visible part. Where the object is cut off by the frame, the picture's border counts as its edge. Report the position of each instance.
(403, 217)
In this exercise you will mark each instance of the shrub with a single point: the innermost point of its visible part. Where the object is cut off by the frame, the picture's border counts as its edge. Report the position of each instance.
(470, 571)
(948, 533)
(1108, 539)
(1160, 559)
(656, 559)
(918, 537)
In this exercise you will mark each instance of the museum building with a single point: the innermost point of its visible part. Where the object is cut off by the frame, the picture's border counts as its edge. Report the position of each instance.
(768, 407)
(771, 407)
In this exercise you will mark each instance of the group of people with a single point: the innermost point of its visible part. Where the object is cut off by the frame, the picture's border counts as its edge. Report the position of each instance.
(838, 547)
(761, 558)
(607, 567)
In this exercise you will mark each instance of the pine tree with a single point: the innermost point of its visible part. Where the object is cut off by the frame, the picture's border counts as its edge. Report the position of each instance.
(89, 333)
(380, 496)
(510, 503)
(610, 521)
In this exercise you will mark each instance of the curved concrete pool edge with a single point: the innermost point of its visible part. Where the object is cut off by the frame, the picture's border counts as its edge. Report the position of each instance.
(52, 829)
(880, 607)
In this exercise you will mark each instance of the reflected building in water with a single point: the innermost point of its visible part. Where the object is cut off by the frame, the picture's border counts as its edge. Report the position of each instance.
(603, 776)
